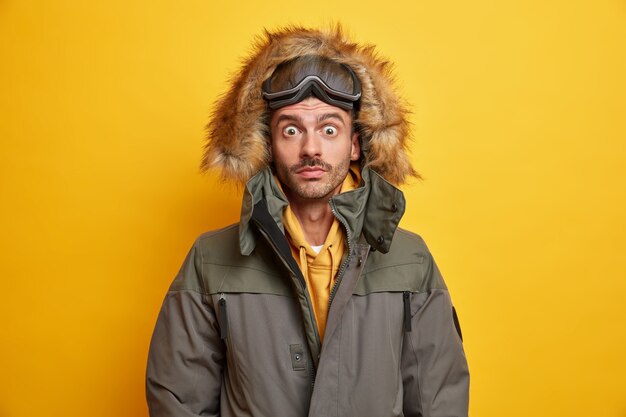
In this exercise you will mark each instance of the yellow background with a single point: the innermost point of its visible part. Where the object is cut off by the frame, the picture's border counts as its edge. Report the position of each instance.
(520, 132)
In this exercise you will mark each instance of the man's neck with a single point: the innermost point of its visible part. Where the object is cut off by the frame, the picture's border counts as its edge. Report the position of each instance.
(315, 218)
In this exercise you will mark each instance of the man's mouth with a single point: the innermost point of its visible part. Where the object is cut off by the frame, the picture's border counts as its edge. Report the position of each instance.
(311, 168)
(310, 172)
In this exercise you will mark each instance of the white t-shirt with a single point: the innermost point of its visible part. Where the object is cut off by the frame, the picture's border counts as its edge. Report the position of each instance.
(317, 249)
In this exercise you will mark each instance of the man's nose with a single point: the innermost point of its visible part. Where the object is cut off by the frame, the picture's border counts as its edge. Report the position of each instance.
(311, 145)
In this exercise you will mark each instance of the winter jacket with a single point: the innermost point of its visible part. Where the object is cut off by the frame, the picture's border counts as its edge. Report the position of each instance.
(236, 335)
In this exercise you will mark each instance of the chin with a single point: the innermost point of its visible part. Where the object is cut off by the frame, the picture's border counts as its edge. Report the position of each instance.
(315, 193)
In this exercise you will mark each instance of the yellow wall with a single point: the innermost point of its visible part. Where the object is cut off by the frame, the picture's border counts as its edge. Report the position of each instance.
(520, 127)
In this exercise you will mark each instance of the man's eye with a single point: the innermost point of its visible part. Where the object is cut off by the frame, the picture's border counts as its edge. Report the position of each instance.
(290, 131)
(330, 130)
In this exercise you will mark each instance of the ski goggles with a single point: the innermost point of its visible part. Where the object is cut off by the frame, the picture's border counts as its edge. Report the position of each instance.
(313, 84)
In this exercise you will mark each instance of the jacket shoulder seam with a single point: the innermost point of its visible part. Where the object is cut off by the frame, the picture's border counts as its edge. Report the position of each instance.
(217, 232)
(390, 266)
(411, 235)
(241, 267)
(181, 290)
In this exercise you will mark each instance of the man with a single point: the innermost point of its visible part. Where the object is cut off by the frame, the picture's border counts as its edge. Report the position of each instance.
(315, 304)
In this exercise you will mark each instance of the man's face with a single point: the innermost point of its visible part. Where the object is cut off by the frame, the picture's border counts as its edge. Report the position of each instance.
(312, 146)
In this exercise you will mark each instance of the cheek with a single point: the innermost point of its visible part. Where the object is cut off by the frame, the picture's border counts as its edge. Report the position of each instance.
(281, 156)
(276, 150)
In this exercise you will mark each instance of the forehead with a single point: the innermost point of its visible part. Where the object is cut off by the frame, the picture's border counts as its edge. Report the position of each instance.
(311, 108)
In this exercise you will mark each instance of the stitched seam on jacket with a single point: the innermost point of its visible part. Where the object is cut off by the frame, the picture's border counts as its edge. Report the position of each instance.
(213, 233)
(240, 267)
(226, 292)
(430, 295)
(204, 290)
(219, 287)
(391, 266)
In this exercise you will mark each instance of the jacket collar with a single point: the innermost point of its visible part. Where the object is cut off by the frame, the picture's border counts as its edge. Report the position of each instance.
(374, 209)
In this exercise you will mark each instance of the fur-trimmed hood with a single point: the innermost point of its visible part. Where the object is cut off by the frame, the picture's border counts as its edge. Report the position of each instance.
(238, 132)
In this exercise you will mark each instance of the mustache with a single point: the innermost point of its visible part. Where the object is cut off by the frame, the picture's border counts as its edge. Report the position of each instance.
(310, 162)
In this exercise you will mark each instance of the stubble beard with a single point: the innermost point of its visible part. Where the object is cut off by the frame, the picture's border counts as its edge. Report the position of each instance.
(312, 189)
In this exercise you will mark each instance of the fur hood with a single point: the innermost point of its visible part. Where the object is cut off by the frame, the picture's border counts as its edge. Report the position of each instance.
(238, 132)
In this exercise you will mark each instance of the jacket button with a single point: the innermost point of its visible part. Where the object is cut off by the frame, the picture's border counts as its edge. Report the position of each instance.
(380, 240)
(394, 207)
(297, 357)
(359, 262)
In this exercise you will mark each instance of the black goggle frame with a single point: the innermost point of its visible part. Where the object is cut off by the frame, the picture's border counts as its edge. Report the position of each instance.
(313, 84)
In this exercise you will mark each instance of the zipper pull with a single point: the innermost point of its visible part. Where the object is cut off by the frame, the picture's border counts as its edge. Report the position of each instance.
(406, 297)
(223, 317)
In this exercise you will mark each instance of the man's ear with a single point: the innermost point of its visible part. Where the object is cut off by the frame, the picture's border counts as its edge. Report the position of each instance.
(355, 153)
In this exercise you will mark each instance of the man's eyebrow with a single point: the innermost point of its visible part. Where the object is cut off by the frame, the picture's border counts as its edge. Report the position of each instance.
(327, 116)
(288, 117)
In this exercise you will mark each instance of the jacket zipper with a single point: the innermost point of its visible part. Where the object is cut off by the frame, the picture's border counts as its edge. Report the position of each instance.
(223, 318)
(406, 297)
(346, 261)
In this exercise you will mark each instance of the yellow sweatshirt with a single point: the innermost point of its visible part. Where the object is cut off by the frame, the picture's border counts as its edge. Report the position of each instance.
(319, 269)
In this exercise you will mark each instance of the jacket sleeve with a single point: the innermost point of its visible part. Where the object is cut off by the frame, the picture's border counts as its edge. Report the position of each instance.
(435, 371)
(184, 372)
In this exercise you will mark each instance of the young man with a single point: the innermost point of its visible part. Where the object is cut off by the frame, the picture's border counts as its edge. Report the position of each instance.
(315, 303)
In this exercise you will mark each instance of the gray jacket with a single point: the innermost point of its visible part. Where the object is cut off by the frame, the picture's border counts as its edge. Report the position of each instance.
(236, 335)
